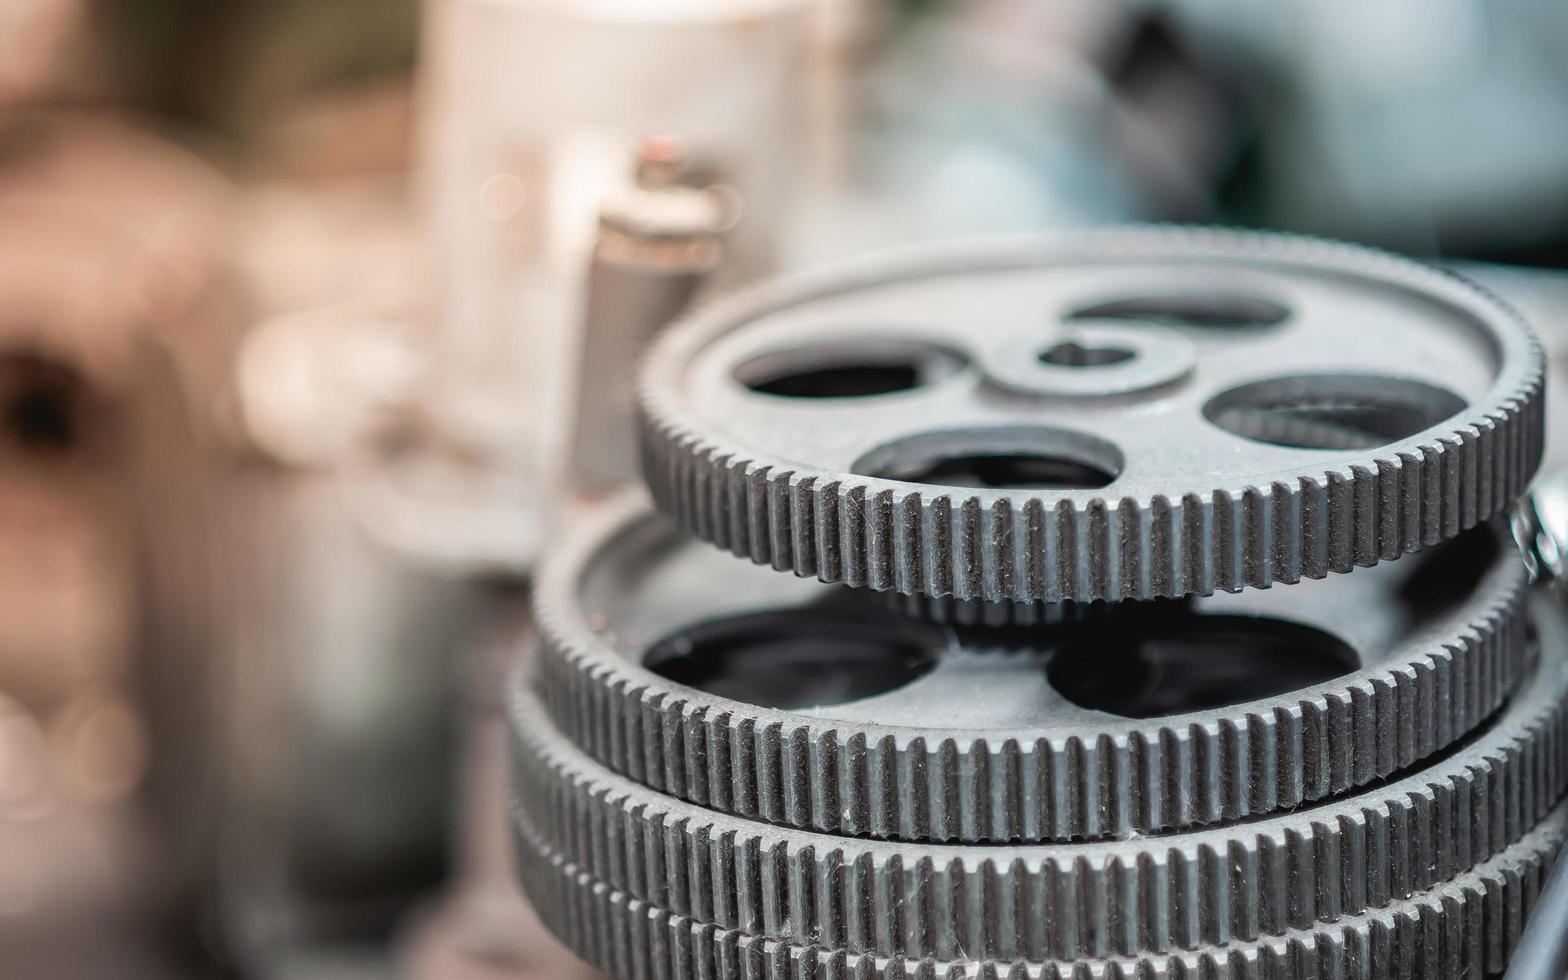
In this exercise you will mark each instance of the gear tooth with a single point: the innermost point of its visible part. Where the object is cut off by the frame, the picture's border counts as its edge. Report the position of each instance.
(829, 558)
(1002, 563)
(1197, 538)
(1412, 508)
(1342, 502)
(736, 512)
(803, 525)
(1227, 542)
(1391, 500)
(1311, 551)
(880, 536)
(672, 748)
(1038, 558)
(938, 550)
(885, 788)
(854, 539)
(745, 781)
(1161, 565)
(1131, 531)
(1064, 524)
(707, 504)
(1101, 555)
(777, 505)
(971, 552)
(1006, 790)
(1289, 531)
(1443, 463)
(915, 796)
(1365, 516)
(1257, 534)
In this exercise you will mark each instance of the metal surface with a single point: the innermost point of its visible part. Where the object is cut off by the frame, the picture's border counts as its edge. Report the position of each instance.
(981, 739)
(1543, 949)
(1427, 874)
(657, 241)
(724, 771)
(1461, 930)
(1124, 414)
(1060, 901)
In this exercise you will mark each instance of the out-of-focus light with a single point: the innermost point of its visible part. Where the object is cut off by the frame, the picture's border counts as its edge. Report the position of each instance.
(24, 765)
(98, 749)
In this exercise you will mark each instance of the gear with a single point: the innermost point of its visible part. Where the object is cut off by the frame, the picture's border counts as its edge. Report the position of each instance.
(1464, 928)
(1237, 882)
(1112, 415)
(1068, 742)
(920, 732)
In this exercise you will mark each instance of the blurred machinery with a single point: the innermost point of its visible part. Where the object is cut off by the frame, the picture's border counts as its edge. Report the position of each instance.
(310, 347)
(117, 324)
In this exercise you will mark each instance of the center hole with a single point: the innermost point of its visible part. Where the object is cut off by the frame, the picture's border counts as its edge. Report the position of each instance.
(1001, 458)
(1148, 665)
(796, 658)
(1075, 355)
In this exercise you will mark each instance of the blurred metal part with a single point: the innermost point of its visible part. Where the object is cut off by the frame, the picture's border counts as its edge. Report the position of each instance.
(530, 109)
(1426, 141)
(657, 241)
(341, 717)
(1541, 297)
(1542, 953)
(315, 386)
(483, 928)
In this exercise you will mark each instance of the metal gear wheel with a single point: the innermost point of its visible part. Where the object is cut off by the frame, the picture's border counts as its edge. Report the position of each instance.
(813, 706)
(1070, 742)
(1109, 415)
(1237, 882)
(1464, 928)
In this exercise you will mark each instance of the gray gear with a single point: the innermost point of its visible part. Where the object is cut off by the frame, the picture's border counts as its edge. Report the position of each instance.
(1464, 928)
(985, 746)
(1066, 901)
(1106, 415)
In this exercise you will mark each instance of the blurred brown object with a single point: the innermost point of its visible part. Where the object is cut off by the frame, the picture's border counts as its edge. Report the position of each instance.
(49, 51)
(229, 67)
(112, 337)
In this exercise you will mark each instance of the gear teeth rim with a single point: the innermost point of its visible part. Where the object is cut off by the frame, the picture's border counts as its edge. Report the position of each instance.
(869, 533)
(1464, 927)
(938, 901)
(859, 780)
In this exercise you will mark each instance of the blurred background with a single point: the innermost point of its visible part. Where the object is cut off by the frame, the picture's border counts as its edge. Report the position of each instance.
(317, 316)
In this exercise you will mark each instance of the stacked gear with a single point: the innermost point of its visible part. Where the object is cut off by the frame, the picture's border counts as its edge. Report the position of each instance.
(1085, 739)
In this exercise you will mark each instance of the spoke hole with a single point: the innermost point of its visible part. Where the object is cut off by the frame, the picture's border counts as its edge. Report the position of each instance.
(848, 371)
(1204, 310)
(798, 658)
(1010, 458)
(1141, 665)
(1332, 411)
(1073, 355)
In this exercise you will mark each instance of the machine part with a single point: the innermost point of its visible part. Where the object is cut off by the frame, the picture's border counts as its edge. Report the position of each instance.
(1464, 928)
(1542, 953)
(1543, 526)
(1065, 901)
(314, 387)
(1221, 411)
(657, 241)
(515, 180)
(746, 691)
